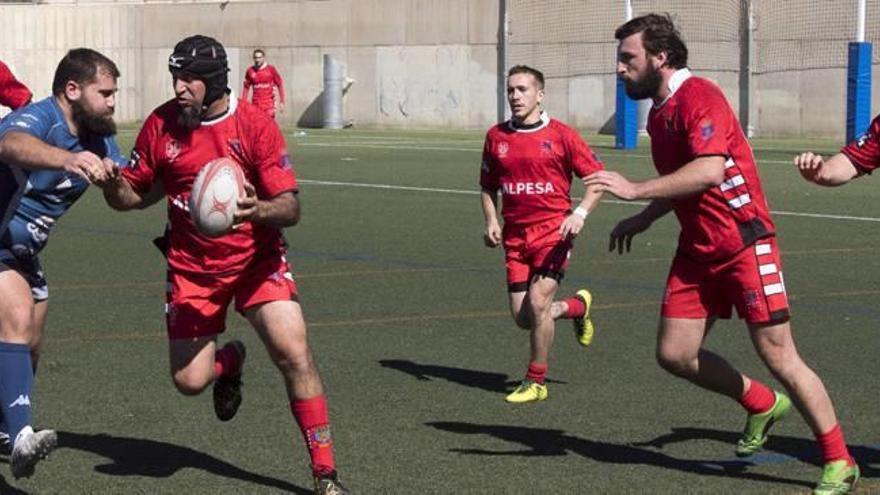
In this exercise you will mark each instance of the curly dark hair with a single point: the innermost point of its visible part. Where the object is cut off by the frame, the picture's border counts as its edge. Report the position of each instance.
(659, 34)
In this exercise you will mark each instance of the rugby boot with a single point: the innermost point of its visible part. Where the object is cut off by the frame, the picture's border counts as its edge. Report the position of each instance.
(838, 478)
(329, 484)
(227, 389)
(527, 391)
(583, 326)
(757, 425)
(30, 448)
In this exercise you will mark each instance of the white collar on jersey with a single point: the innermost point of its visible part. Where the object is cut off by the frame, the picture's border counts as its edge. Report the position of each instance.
(233, 104)
(545, 119)
(675, 81)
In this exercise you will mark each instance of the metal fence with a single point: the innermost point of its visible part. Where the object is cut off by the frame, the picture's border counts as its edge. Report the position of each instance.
(570, 38)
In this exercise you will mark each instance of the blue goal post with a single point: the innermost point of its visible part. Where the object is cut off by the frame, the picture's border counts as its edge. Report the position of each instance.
(626, 120)
(858, 90)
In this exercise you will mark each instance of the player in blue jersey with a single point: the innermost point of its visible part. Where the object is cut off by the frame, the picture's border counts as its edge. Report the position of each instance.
(49, 153)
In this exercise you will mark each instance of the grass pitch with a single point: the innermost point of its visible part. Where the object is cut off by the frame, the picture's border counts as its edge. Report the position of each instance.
(408, 321)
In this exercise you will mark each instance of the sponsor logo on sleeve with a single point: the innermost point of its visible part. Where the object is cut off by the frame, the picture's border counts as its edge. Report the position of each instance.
(707, 130)
(286, 163)
(134, 160)
(864, 138)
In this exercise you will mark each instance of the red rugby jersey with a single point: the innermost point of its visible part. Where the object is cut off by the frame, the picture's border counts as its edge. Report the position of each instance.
(864, 152)
(13, 93)
(533, 168)
(694, 121)
(263, 81)
(166, 152)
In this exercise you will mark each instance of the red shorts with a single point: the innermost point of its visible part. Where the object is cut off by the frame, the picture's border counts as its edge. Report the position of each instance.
(751, 281)
(536, 249)
(196, 304)
(267, 108)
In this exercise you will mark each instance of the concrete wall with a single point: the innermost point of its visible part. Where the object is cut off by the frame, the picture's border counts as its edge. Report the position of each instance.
(417, 63)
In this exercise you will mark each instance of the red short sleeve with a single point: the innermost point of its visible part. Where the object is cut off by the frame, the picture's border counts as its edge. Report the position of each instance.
(707, 117)
(489, 168)
(864, 152)
(273, 165)
(583, 160)
(141, 169)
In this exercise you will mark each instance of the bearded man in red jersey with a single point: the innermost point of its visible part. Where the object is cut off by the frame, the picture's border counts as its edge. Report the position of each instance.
(727, 254)
(205, 121)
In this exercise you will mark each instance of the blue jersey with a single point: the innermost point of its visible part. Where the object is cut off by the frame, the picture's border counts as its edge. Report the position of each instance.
(32, 201)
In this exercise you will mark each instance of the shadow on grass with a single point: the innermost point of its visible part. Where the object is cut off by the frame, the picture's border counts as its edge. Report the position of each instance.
(777, 449)
(141, 457)
(545, 442)
(5, 487)
(484, 380)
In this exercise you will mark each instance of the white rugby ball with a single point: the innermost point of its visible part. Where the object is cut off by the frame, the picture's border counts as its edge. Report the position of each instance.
(214, 197)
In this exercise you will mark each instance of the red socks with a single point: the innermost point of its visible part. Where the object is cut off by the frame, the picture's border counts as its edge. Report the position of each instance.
(536, 372)
(227, 362)
(312, 418)
(834, 446)
(758, 398)
(576, 308)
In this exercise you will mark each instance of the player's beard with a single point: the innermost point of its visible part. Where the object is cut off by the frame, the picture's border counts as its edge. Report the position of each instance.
(647, 87)
(91, 122)
(190, 118)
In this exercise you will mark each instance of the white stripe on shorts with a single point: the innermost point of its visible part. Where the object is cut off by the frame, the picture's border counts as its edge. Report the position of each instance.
(739, 201)
(771, 289)
(768, 269)
(761, 249)
(736, 180)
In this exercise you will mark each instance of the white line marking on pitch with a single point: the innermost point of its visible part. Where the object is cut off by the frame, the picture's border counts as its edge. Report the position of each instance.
(612, 201)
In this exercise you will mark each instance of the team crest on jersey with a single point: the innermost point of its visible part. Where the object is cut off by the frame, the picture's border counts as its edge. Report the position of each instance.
(503, 148)
(235, 146)
(707, 130)
(172, 149)
(546, 147)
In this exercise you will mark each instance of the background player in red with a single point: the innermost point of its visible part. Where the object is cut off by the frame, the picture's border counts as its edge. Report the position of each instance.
(264, 78)
(531, 159)
(857, 158)
(727, 253)
(13, 93)
(204, 122)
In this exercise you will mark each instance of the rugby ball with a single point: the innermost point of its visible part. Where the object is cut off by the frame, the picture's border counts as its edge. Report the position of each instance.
(214, 197)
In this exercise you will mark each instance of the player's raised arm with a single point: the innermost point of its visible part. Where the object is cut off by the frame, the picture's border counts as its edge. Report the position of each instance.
(835, 171)
(30, 152)
(121, 196)
(700, 174)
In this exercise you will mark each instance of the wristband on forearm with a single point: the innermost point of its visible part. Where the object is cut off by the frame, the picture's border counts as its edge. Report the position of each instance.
(581, 212)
